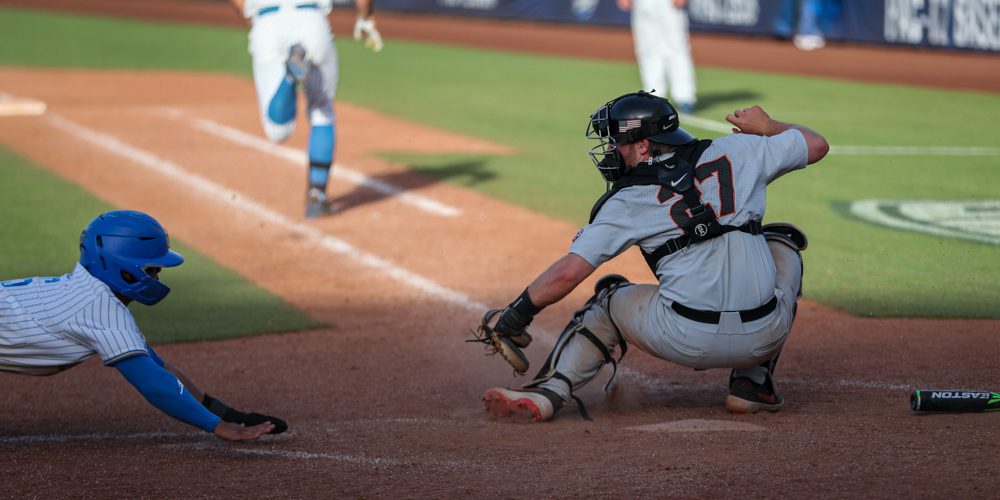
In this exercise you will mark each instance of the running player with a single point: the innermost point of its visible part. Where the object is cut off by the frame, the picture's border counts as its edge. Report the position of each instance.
(291, 44)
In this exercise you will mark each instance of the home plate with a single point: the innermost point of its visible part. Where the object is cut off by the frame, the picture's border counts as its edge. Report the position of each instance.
(20, 106)
(697, 425)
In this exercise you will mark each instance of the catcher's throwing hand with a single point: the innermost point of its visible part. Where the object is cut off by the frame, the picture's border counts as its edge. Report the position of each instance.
(234, 432)
(364, 28)
(504, 331)
(753, 120)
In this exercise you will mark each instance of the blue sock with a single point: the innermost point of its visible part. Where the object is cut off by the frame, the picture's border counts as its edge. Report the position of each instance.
(281, 110)
(321, 145)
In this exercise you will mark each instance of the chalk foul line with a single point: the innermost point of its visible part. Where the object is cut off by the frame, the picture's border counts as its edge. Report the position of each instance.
(219, 193)
(300, 159)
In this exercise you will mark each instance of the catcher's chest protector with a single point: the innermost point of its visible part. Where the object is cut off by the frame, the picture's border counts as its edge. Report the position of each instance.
(676, 175)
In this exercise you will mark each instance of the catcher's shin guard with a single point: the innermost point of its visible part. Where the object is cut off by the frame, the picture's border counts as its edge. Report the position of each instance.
(603, 290)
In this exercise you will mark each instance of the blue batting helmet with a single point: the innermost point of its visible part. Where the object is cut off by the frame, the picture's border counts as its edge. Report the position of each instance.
(118, 247)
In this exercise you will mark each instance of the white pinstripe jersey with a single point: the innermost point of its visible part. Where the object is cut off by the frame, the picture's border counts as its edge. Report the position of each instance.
(49, 324)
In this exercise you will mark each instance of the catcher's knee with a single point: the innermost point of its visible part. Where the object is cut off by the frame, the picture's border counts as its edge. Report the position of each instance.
(610, 281)
(787, 234)
(604, 288)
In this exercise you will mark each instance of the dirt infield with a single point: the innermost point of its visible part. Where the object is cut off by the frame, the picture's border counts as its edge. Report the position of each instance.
(386, 402)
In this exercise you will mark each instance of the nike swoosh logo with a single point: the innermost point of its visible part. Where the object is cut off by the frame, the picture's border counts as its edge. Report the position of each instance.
(678, 181)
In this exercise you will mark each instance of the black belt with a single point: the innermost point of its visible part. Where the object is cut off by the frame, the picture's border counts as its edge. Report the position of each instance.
(746, 315)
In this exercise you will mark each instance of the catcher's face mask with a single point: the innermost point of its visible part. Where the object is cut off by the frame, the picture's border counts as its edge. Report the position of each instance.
(605, 154)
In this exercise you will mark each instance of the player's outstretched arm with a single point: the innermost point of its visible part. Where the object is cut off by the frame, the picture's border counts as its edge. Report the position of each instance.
(754, 120)
(217, 406)
(164, 391)
(196, 393)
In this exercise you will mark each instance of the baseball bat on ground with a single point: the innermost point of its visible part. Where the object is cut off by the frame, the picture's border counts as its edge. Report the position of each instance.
(954, 401)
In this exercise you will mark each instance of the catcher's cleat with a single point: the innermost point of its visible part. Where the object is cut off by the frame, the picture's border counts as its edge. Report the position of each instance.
(537, 404)
(317, 205)
(296, 65)
(786, 233)
(747, 396)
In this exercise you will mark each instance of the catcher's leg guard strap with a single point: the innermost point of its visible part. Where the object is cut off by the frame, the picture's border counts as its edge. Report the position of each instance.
(581, 373)
(602, 297)
(604, 350)
(579, 403)
(786, 233)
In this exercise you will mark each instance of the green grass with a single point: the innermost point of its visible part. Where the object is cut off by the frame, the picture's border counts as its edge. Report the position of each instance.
(42, 219)
(539, 106)
(41, 38)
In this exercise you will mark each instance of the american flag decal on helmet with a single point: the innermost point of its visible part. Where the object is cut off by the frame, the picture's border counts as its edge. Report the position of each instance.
(626, 125)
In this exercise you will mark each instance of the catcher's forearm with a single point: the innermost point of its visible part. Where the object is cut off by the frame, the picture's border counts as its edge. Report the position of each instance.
(559, 280)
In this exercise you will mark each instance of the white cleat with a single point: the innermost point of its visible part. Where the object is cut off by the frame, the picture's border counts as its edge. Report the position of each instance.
(538, 405)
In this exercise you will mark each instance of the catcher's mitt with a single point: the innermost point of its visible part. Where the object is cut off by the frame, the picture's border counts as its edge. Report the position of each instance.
(493, 332)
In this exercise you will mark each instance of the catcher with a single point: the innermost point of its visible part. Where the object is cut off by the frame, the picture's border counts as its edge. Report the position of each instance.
(51, 324)
(727, 284)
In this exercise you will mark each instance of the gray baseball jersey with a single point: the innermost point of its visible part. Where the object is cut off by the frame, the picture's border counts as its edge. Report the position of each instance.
(49, 324)
(732, 272)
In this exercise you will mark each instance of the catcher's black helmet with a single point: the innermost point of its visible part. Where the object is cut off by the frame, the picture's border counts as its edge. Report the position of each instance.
(629, 118)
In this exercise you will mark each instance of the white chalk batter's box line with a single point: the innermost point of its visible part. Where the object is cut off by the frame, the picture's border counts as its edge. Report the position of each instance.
(300, 159)
(414, 462)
